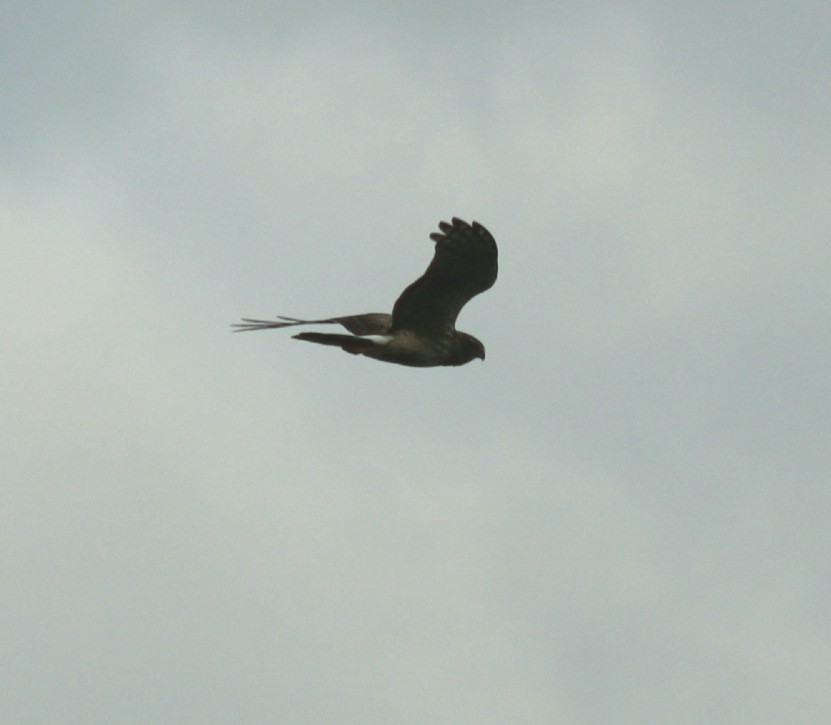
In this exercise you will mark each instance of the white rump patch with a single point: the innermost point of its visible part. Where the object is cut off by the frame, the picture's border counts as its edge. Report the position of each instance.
(377, 339)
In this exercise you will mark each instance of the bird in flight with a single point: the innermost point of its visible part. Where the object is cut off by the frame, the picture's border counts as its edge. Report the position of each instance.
(421, 331)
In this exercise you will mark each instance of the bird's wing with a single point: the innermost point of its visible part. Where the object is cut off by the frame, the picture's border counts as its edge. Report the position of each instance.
(372, 323)
(465, 264)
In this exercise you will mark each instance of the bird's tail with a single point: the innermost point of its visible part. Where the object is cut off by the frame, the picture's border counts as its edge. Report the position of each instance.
(355, 345)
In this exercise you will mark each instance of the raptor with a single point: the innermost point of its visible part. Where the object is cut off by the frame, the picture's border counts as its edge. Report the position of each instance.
(421, 331)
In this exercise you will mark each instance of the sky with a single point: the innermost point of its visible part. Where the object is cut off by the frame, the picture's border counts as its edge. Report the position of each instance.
(621, 516)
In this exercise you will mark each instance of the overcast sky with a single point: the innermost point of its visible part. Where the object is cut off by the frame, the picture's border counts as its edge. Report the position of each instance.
(622, 516)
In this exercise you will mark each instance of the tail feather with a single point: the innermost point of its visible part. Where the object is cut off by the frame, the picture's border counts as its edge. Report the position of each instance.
(354, 345)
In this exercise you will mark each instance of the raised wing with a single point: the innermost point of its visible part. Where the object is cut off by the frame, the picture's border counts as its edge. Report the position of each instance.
(465, 264)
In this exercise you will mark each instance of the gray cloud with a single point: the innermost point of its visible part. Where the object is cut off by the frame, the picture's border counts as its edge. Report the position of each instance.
(619, 517)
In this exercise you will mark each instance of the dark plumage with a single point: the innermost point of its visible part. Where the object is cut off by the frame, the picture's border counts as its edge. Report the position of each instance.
(421, 332)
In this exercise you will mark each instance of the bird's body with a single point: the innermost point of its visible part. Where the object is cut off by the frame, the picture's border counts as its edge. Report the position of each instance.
(421, 330)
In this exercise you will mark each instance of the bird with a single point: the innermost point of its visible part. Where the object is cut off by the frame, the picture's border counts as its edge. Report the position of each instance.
(421, 331)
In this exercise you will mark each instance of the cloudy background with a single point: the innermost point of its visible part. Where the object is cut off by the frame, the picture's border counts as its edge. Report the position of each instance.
(621, 516)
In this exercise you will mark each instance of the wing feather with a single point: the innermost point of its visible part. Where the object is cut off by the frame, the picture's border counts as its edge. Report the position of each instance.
(372, 323)
(464, 264)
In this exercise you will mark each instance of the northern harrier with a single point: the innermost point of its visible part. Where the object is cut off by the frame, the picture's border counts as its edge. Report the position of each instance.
(421, 331)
